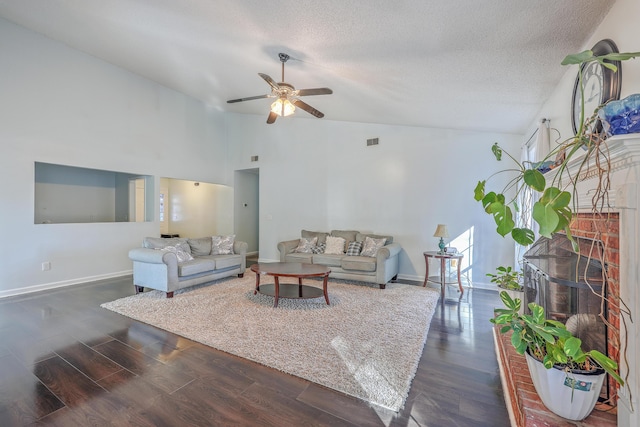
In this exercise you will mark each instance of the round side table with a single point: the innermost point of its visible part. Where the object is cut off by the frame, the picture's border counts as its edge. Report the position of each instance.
(443, 259)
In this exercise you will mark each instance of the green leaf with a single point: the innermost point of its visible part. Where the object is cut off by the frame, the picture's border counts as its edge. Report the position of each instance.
(546, 218)
(497, 151)
(578, 58)
(507, 300)
(523, 236)
(488, 200)
(572, 347)
(538, 313)
(478, 192)
(534, 179)
(503, 218)
(607, 364)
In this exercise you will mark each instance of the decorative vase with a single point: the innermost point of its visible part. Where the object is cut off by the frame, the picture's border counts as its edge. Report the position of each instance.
(621, 117)
(572, 395)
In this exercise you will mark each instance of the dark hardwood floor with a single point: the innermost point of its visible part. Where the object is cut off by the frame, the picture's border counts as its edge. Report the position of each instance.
(64, 361)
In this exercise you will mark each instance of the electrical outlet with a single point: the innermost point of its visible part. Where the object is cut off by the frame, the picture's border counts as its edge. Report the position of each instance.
(46, 266)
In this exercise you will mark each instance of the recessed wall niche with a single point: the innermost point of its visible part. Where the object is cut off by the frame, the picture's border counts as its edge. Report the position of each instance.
(69, 194)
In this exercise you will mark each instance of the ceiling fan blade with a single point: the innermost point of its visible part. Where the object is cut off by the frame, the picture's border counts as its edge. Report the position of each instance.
(272, 117)
(315, 91)
(231, 101)
(269, 80)
(308, 108)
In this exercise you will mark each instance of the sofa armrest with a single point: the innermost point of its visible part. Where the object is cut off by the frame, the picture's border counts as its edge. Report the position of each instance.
(387, 263)
(388, 251)
(240, 248)
(152, 256)
(155, 269)
(287, 247)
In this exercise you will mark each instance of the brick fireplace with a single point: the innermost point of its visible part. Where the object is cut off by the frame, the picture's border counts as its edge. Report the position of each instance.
(618, 230)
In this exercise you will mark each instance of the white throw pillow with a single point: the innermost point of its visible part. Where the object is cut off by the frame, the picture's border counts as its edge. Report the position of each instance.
(371, 246)
(222, 245)
(305, 246)
(335, 245)
(180, 252)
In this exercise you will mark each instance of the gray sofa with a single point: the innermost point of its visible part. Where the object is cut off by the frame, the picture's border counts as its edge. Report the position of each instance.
(380, 269)
(160, 269)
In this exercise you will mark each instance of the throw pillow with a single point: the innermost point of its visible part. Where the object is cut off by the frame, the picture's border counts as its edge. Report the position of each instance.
(319, 248)
(354, 248)
(200, 246)
(335, 245)
(180, 252)
(371, 246)
(222, 245)
(305, 246)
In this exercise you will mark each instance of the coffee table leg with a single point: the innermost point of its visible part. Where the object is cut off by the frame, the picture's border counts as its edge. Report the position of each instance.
(277, 282)
(257, 283)
(324, 288)
(299, 287)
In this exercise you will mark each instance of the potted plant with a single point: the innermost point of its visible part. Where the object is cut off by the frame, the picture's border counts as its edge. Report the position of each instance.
(567, 378)
(510, 280)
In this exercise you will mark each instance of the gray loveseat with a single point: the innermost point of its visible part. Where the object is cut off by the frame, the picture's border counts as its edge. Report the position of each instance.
(160, 269)
(380, 269)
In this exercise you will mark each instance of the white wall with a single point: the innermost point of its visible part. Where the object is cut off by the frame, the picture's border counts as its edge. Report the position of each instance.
(199, 210)
(320, 175)
(621, 26)
(59, 105)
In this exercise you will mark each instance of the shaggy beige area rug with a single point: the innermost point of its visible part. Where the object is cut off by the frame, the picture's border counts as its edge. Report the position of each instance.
(367, 343)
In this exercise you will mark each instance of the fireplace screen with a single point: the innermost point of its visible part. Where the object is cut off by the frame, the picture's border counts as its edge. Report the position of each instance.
(567, 285)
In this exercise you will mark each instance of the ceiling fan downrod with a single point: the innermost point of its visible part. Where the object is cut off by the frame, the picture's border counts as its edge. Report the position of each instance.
(283, 58)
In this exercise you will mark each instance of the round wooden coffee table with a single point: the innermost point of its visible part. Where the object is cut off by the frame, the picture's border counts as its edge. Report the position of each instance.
(291, 290)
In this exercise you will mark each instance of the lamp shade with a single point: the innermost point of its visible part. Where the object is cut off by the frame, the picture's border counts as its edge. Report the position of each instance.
(441, 231)
(283, 107)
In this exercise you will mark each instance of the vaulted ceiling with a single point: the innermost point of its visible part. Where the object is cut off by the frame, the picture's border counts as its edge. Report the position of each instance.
(459, 64)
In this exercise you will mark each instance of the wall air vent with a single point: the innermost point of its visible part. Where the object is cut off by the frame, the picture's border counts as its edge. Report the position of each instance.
(372, 141)
(254, 158)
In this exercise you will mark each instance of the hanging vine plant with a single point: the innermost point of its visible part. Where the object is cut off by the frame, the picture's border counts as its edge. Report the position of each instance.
(555, 206)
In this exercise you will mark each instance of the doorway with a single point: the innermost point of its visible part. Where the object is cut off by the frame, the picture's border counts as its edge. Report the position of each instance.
(247, 211)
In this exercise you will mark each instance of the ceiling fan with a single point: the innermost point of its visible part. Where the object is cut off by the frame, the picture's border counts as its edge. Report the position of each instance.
(287, 96)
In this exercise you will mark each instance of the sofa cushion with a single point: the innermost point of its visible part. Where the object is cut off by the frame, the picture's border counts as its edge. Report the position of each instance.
(360, 237)
(161, 242)
(354, 248)
(322, 237)
(371, 246)
(222, 245)
(200, 246)
(328, 259)
(335, 245)
(305, 246)
(226, 261)
(195, 266)
(358, 263)
(299, 257)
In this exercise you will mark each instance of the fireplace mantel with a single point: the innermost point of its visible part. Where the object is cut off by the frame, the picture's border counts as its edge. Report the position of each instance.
(624, 155)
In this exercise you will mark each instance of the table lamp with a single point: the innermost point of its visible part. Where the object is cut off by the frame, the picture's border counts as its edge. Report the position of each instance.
(441, 232)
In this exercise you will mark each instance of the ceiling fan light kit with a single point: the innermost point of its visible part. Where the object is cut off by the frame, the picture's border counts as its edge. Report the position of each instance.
(287, 96)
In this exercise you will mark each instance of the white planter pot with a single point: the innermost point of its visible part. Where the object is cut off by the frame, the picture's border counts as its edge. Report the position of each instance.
(555, 390)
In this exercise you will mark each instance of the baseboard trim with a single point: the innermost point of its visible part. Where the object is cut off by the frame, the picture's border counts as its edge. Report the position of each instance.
(61, 284)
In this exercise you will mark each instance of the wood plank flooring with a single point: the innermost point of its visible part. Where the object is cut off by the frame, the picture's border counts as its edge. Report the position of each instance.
(64, 361)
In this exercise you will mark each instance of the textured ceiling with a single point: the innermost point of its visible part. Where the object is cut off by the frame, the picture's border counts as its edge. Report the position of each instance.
(460, 64)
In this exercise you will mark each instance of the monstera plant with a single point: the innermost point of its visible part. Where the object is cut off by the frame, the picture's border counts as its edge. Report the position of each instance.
(555, 205)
